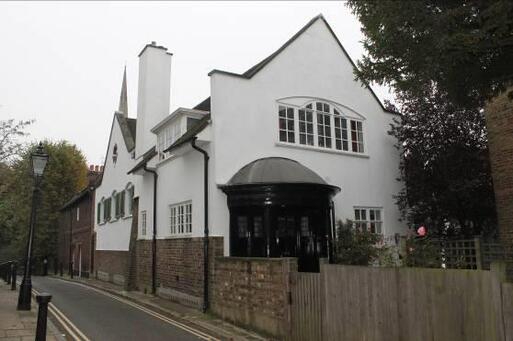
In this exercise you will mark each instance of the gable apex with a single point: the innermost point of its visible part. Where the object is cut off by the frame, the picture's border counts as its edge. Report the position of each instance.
(248, 74)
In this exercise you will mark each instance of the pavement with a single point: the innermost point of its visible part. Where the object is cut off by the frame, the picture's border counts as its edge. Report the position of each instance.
(20, 325)
(96, 310)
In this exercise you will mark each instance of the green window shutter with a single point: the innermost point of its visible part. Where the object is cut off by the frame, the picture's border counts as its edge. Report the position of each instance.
(122, 203)
(98, 209)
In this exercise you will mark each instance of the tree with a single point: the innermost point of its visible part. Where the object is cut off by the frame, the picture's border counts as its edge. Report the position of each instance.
(65, 175)
(10, 130)
(444, 60)
(465, 48)
(444, 165)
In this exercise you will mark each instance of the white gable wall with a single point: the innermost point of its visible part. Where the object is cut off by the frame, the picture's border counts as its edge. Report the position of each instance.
(245, 126)
(115, 234)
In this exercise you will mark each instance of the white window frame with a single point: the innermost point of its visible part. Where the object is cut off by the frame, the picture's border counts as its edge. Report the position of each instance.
(335, 113)
(370, 221)
(180, 218)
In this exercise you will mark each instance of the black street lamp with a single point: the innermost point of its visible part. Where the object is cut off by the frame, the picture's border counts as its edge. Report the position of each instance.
(39, 159)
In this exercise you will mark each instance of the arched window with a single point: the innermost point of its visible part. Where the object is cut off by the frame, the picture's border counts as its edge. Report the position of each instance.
(321, 124)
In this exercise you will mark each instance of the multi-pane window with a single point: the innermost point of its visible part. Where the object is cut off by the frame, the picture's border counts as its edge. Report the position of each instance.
(368, 219)
(306, 133)
(323, 124)
(320, 124)
(286, 122)
(341, 137)
(143, 223)
(357, 136)
(180, 218)
(166, 137)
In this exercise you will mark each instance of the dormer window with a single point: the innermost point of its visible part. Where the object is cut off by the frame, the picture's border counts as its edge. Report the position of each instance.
(115, 153)
(321, 124)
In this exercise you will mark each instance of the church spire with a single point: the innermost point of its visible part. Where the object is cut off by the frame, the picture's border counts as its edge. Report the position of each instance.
(123, 101)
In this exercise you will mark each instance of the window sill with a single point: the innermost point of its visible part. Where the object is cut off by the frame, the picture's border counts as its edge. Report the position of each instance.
(322, 150)
(126, 217)
(163, 161)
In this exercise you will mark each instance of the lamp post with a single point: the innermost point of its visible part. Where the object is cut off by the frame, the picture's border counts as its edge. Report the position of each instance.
(39, 159)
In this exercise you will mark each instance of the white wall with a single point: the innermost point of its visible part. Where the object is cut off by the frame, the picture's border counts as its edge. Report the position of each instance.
(115, 234)
(245, 127)
(153, 94)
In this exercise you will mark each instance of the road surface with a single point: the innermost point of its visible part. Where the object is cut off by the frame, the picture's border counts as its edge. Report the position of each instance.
(90, 314)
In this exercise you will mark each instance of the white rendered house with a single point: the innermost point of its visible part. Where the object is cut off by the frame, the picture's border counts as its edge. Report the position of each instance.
(290, 146)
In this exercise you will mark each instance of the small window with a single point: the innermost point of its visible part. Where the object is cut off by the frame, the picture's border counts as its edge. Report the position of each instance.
(368, 219)
(306, 134)
(115, 153)
(286, 124)
(180, 218)
(129, 199)
(143, 223)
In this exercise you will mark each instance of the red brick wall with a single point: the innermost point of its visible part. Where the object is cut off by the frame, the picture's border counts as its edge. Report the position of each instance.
(112, 263)
(499, 121)
(179, 267)
(253, 292)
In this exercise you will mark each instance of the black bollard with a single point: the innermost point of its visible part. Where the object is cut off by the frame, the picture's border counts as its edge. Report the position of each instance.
(13, 274)
(55, 268)
(8, 270)
(42, 314)
(71, 270)
(62, 269)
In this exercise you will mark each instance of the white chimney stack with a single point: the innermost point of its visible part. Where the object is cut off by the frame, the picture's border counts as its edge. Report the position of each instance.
(153, 93)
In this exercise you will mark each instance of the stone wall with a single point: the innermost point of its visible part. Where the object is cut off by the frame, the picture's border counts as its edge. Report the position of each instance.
(179, 267)
(111, 266)
(499, 122)
(253, 292)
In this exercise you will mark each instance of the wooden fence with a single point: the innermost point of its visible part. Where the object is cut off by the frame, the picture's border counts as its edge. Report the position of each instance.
(380, 304)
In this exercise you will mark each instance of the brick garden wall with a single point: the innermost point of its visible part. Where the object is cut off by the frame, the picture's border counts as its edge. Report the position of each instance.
(253, 292)
(499, 122)
(179, 267)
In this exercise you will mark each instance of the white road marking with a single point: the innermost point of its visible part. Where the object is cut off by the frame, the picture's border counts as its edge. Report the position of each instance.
(166, 319)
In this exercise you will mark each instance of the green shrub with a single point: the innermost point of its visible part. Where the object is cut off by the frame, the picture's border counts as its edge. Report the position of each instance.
(354, 246)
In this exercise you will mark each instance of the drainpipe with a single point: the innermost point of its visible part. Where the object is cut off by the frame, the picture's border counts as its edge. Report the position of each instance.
(154, 240)
(70, 261)
(205, 238)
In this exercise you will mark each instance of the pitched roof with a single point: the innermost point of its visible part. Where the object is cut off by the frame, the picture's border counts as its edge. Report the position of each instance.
(204, 105)
(147, 156)
(191, 133)
(256, 68)
(77, 197)
(127, 126)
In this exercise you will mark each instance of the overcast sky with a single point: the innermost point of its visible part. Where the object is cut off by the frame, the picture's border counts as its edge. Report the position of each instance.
(62, 63)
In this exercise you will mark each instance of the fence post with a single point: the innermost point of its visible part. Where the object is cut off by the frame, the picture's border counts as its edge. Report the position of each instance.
(42, 314)
(13, 275)
(479, 253)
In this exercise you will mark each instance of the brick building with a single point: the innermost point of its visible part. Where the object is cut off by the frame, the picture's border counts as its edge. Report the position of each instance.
(77, 221)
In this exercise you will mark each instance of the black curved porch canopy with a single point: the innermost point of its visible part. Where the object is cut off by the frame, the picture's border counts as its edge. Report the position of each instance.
(280, 208)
